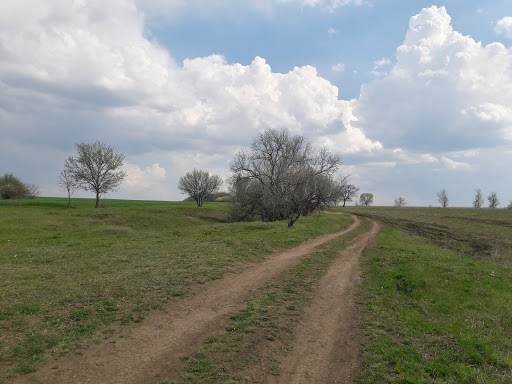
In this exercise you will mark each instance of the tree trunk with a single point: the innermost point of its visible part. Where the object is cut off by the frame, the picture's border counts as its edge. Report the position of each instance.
(97, 200)
(293, 220)
(69, 200)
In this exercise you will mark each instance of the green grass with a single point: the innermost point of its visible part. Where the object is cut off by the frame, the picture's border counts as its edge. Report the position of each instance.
(67, 276)
(437, 297)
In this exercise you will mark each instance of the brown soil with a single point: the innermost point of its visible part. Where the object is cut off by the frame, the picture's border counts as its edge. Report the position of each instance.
(151, 352)
(327, 344)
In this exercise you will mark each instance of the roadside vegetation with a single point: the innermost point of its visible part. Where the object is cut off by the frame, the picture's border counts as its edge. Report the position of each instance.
(437, 296)
(71, 276)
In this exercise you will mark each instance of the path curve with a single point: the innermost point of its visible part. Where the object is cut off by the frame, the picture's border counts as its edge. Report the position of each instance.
(327, 345)
(152, 352)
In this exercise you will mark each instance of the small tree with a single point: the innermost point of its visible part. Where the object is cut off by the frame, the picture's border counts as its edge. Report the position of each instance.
(67, 183)
(509, 206)
(400, 202)
(347, 191)
(493, 200)
(96, 168)
(479, 199)
(366, 199)
(442, 197)
(13, 188)
(199, 185)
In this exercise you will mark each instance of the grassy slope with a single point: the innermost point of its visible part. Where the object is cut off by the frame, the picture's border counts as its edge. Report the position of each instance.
(68, 275)
(438, 297)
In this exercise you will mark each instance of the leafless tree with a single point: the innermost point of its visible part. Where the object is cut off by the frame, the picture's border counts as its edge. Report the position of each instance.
(282, 178)
(400, 202)
(347, 191)
(366, 199)
(96, 168)
(67, 183)
(442, 197)
(479, 199)
(199, 185)
(493, 200)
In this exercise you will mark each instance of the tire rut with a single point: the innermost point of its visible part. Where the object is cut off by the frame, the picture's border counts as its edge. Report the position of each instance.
(152, 351)
(327, 345)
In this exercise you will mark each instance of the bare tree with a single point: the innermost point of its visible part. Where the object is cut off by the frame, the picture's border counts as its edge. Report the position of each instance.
(96, 168)
(366, 199)
(479, 199)
(67, 183)
(347, 191)
(282, 178)
(400, 202)
(442, 197)
(509, 206)
(199, 185)
(493, 200)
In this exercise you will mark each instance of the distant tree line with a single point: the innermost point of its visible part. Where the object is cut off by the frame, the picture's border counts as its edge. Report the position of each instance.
(478, 200)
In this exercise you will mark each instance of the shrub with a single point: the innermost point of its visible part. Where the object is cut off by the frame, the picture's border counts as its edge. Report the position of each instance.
(13, 188)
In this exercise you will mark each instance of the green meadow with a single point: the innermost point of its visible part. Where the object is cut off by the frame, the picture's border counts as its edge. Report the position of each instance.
(437, 296)
(435, 300)
(70, 276)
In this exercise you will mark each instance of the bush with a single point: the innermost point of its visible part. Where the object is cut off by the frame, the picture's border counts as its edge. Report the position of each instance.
(13, 188)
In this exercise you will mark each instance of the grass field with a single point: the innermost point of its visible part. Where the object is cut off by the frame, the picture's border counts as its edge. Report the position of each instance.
(436, 299)
(437, 296)
(69, 276)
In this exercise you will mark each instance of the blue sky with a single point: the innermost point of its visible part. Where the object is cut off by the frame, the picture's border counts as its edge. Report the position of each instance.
(415, 96)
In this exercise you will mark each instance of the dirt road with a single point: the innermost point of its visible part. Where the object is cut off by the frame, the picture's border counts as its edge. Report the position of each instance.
(327, 342)
(152, 351)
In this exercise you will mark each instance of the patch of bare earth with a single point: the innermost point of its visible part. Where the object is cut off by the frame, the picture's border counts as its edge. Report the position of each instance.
(327, 342)
(151, 352)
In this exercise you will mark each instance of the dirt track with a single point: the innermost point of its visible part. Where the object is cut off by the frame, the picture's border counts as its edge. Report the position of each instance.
(152, 351)
(326, 348)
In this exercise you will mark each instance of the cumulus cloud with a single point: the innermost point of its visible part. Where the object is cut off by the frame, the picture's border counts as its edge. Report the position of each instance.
(81, 70)
(446, 92)
(504, 27)
(379, 67)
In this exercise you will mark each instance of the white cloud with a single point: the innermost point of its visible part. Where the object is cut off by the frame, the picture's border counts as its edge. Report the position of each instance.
(340, 67)
(329, 4)
(446, 92)
(382, 63)
(455, 165)
(504, 27)
(413, 158)
(86, 70)
(331, 32)
(147, 181)
(378, 67)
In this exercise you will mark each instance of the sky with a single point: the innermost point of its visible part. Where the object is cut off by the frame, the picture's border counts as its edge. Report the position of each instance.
(415, 96)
